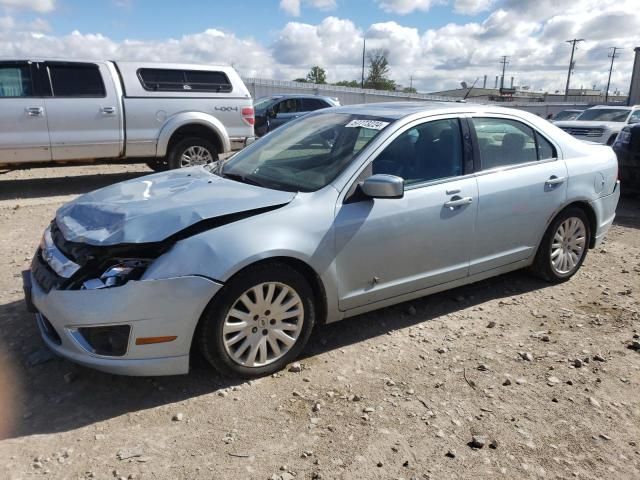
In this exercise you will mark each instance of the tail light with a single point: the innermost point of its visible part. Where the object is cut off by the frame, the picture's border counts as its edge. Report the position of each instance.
(248, 115)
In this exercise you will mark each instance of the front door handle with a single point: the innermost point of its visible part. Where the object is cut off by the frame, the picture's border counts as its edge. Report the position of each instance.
(457, 202)
(554, 180)
(108, 110)
(35, 111)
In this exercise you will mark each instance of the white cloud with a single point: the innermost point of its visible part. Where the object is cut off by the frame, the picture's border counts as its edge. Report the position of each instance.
(7, 23)
(472, 7)
(41, 6)
(293, 7)
(404, 7)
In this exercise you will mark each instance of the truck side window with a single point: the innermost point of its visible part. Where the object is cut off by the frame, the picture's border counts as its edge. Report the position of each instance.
(15, 80)
(168, 80)
(76, 80)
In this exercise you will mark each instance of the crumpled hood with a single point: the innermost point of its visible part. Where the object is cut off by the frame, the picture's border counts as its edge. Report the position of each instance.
(152, 208)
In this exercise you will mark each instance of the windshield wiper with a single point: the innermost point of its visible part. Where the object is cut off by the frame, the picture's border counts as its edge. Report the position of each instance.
(241, 178)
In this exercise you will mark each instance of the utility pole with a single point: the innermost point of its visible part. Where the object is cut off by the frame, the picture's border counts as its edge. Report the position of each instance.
(613, 57)
(573, 48)
(364, 48)
(411, 83)
(504, 61)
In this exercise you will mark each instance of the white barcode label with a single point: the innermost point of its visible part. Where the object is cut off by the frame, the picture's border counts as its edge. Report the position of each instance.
(372, 124)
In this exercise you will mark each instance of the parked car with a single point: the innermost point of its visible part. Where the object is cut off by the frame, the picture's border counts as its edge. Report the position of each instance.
(566, 115)
(273, 112)
(600, 124)
(244, 259)
(627, 148)
(171, 115)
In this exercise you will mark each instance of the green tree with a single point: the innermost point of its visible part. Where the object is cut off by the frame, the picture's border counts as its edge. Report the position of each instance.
(348, 83)
(317, 75)
(300, 80)
(378, 76)
(409, 90)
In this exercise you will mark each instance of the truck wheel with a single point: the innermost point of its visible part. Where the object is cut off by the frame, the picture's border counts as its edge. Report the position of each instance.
(192, 151)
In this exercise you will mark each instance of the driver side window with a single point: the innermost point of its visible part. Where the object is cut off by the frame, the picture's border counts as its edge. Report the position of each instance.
(287, 106)
(430, 151)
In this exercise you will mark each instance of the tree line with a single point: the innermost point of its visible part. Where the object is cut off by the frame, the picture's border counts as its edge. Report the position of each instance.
(377, 78)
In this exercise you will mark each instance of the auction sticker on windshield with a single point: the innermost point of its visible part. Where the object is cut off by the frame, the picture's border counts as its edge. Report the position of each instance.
(373, 124)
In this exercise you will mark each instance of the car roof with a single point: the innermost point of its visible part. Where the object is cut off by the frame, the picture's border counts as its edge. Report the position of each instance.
(618, 107)
(397, 110)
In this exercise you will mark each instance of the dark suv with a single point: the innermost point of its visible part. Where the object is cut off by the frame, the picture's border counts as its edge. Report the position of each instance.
(627, 148)
(271, 112)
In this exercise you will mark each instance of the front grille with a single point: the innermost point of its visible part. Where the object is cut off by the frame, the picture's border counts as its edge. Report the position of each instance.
(584, 131)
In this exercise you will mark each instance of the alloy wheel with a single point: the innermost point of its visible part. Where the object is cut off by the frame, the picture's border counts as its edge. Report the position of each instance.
(263, 324)
(195, 155)
(568, 245)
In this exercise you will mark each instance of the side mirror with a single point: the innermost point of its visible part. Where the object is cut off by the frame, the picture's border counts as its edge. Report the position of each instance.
(383, 186)
(271, 113)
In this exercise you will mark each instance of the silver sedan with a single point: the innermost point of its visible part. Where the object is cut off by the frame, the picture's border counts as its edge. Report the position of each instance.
(341, 212)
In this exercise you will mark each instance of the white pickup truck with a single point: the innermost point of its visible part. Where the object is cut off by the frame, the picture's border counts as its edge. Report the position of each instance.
(169, 115)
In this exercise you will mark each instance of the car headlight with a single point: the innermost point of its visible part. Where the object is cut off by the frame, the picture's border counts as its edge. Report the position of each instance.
(118, 274)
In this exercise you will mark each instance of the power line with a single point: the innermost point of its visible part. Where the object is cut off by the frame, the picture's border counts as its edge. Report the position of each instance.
(571, 65)
(504, 60)
(613, 56)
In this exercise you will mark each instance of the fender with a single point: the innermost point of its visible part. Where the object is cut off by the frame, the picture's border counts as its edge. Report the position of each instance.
(191, 118)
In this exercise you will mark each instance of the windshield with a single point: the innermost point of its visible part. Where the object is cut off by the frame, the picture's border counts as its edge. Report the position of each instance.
(262, 103)
(307, 154)
(605, 114)
(567, 115)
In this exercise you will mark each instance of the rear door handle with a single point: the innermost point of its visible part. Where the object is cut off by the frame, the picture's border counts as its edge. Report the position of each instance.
(457, 202)
(553, 180)
(108, 110)
(35, 111)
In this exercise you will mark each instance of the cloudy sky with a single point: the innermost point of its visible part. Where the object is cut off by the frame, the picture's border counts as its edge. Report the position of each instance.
(437, 42)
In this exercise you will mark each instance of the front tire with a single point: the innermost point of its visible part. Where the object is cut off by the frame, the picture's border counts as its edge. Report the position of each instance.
(563, 247)
(259, 322)
(192, 151)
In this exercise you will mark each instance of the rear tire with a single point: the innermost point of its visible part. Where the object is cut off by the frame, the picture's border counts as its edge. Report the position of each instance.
(192, 151)
(259, 322)
(563, 247)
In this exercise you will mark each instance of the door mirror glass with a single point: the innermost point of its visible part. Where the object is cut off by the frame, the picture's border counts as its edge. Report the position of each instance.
(271, 113)
(383, 186)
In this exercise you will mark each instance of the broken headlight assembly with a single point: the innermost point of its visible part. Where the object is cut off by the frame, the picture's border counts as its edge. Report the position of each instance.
(118, 274)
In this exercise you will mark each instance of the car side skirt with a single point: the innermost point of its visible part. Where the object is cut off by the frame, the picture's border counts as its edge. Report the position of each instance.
(435, 289)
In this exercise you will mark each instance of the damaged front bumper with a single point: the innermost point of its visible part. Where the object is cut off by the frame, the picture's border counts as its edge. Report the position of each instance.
(150, 308)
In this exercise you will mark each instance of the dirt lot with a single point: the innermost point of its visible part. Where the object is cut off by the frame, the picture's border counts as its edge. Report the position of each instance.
(542, 374)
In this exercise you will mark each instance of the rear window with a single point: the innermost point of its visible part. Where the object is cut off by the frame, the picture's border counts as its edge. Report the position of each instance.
(167, 80)
(76, 80)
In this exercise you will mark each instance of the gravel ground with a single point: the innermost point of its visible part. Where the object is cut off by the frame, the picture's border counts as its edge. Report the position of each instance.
(507, 378)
